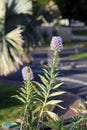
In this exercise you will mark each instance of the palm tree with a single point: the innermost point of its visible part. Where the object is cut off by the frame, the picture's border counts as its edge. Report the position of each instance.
(19, 20)
(11, 39)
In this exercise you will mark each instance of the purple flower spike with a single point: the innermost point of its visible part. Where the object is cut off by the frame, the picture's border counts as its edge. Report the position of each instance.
(56, 42)
(27, 71)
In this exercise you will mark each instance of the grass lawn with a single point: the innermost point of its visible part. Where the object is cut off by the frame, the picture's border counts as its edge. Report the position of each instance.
(65, 44)
(74, 43)
(9, 107)
(79, 32)
(79, 55)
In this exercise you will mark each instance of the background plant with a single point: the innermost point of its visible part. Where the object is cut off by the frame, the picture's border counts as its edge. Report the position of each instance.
(27, 96)
(11, 40)
(18, 30)
(55, 124)
(80, 120)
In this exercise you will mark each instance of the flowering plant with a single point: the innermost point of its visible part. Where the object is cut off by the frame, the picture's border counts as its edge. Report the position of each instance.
(38, 98)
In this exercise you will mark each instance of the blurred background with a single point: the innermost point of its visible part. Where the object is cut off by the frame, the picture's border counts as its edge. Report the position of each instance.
(26, 29)
(29, 24)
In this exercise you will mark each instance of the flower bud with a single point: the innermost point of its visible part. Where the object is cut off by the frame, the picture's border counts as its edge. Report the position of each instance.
(27, 73)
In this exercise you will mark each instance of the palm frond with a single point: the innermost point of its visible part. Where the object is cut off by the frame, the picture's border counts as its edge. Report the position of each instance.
(19, 6)
(11, 44)
(7, 64)
(2, 10)
(15, 35)
(11, 51)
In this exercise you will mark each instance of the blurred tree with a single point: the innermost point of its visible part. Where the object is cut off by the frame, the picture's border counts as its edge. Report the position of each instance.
(43, 12)
(19, 20)
(11, 40)
(82, 11)
(73, 9)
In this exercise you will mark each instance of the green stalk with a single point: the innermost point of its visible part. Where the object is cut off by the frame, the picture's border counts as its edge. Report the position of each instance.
(49, 85)
(24, 118)
(40, 115)
(28, 126)
(54, 58)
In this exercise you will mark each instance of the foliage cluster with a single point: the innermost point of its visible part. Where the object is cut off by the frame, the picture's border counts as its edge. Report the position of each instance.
(39, 98)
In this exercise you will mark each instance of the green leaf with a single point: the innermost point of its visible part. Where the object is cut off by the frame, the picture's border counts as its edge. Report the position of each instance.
(38, 99)
(53, 102)
(56, 75)
(56, 93)
(44, 80)
(57, 86)
(52, 115)
(47, 76)
(44, 94)
(46, 73)
(23, 89)
(60, 106)
(22, 95)
(36, 90)
(38, 108)
(19, 98)
(41, 86)
(52, 80)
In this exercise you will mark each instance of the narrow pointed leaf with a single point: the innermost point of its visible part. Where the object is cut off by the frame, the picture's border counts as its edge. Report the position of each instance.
(56, 93)
(40, 100)
(53, 102)
(23, 96)
(23, 90)
(19, 98)
(47, 76)
(44, 94)
(41, 86)
(52, 115)
(38, 108)
(74, 109)
(61, 107)
(57, 86)
(36, 90)
(43, 79)
(46, 71)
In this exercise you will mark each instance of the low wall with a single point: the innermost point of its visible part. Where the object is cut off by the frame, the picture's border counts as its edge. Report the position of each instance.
(64, 32)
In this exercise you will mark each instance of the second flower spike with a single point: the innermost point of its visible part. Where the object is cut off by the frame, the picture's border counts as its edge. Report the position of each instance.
(27, 73)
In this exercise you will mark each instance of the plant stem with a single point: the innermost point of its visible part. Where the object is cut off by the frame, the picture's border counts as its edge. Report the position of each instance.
(40, 115)
(49, 85)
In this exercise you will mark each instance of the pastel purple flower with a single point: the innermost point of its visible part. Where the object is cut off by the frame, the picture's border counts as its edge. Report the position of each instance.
(56, 42)
(27, 73)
